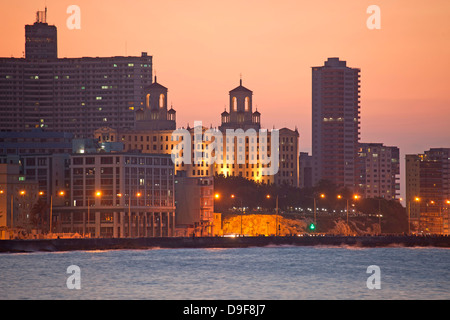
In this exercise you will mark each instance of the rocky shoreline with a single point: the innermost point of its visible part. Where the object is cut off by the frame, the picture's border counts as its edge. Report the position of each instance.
(53, 245)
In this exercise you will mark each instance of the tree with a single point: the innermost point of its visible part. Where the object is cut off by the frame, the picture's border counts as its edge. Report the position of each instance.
(39, 214)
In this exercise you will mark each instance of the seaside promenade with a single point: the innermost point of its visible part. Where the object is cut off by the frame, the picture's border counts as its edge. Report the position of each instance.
(220, 242)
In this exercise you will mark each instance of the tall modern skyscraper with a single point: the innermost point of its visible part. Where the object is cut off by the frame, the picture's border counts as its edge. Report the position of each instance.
(76, 95)
(335, 123)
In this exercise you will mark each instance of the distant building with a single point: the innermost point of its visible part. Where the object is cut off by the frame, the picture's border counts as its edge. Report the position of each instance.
(41, 40)
(194, 199)
(17, 197)
(379, 171)
(241, 116)
(35, 141)
(154, 134)
(75, 95)
(44, 157)
(52, 174)
(288, 171)
(155, 115)
(305, 170)
(119, 195)
(335, 123)
(428, 191)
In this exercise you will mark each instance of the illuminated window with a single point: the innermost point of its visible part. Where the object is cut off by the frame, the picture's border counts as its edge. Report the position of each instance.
(247, 103)
(161, 101)
(234, 104)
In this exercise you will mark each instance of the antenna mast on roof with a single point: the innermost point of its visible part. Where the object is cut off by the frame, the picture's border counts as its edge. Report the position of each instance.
(41, 16)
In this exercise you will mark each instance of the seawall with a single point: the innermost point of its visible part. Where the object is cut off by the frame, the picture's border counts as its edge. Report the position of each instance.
(219, 242)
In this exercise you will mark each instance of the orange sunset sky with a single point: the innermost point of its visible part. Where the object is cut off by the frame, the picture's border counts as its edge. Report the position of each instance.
(200, 48)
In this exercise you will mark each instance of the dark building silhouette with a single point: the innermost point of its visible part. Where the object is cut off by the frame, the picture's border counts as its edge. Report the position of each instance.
(76, 95)
(240, 113)
(335, 123)
(154, 115)
(41, 39)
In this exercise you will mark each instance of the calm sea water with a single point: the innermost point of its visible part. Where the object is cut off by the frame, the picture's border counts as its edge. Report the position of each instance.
(245, 273)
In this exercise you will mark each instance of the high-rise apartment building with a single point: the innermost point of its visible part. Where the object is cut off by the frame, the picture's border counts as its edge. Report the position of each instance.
(75, 95)
(428, 191)
(41, 41)
(335, 123)
(379, 171)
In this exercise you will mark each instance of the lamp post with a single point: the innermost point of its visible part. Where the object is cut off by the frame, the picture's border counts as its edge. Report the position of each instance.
(356, 197)
(138, 194)
(276, 212)
(96, 194)
(315, 207)
(60, 193)
(379, 220)
(417, 199)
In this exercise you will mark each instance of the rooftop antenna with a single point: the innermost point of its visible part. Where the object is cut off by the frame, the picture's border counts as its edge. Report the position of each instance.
(240, 75)
(41, 16)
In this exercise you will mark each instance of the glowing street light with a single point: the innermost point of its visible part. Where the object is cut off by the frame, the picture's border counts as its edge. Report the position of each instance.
(217, 196)
(61, 194)
(97, 194)
(355, 197)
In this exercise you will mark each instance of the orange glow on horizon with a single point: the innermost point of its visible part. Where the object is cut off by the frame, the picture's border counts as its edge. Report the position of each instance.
(404, 65)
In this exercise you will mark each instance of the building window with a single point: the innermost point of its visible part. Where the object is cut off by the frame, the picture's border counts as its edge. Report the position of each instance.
(161, 100)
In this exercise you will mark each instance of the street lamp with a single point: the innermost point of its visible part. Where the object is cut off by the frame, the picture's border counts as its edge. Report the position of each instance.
(138, 194)
(355, 197)
(416, 199)
(322, 196)
(60, 193)
(276, 211)
(379, 220)
(96, 194)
